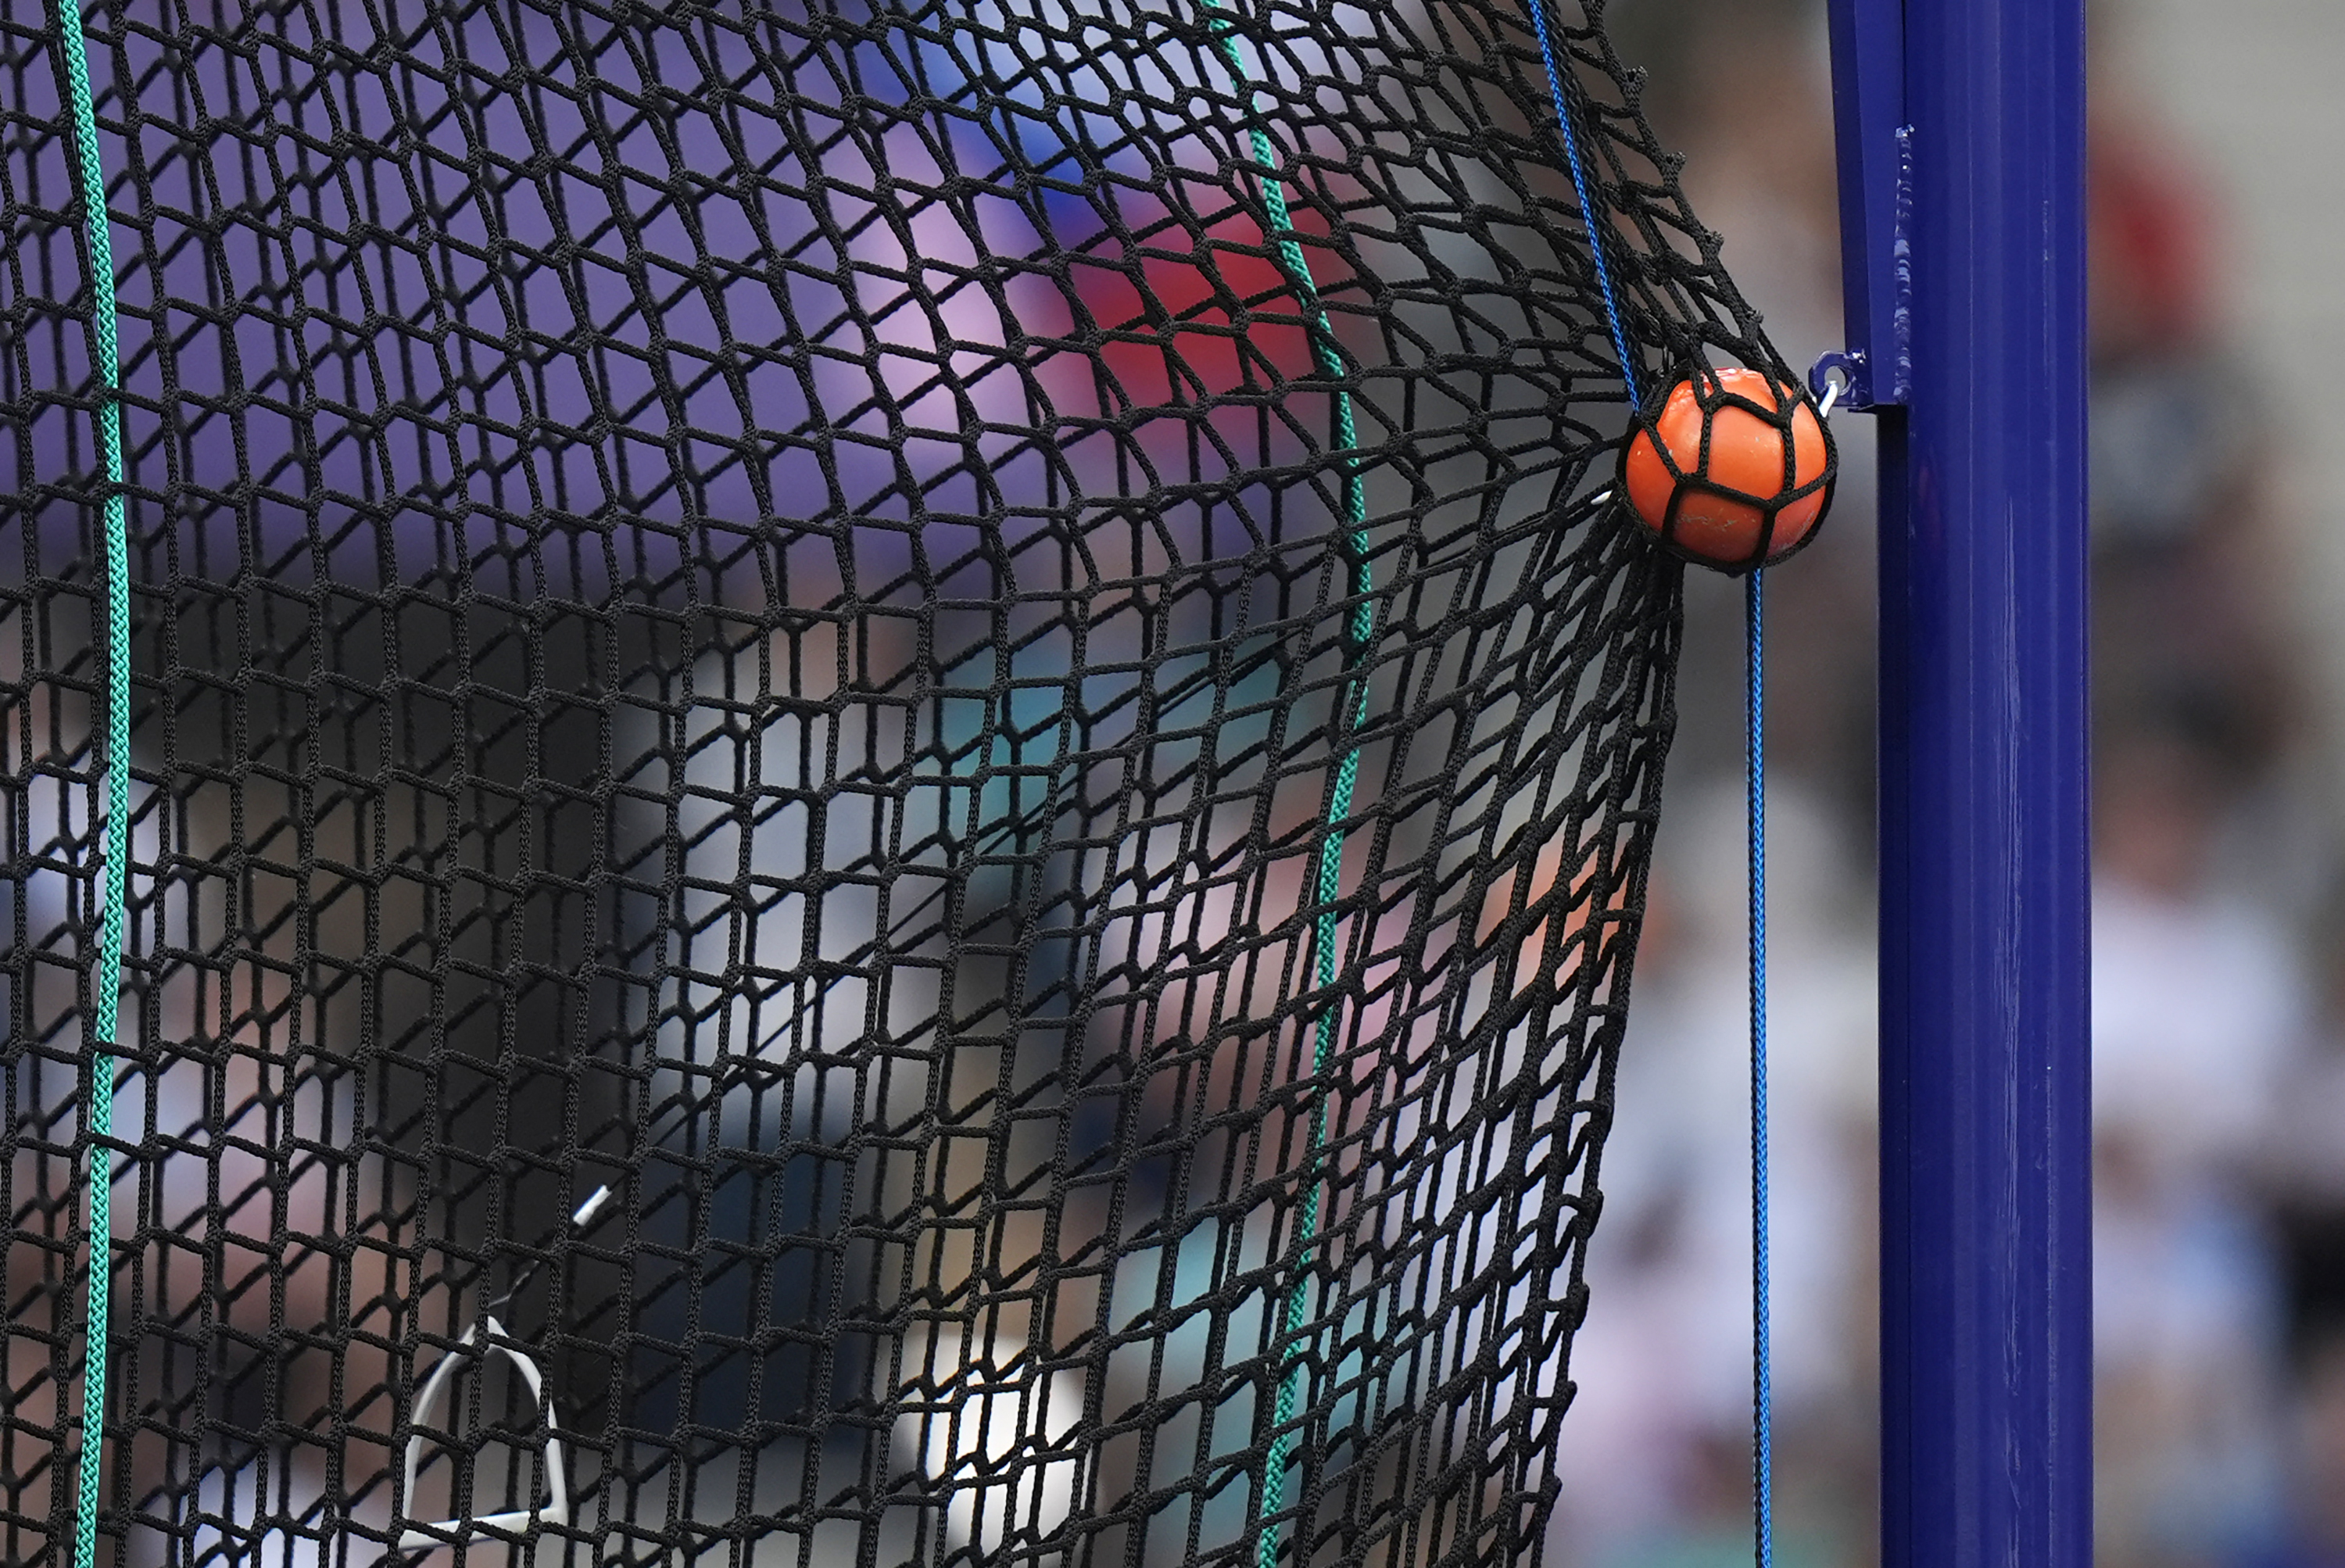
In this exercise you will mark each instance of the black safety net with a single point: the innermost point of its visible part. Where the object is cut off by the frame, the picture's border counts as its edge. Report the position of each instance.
(890, 772)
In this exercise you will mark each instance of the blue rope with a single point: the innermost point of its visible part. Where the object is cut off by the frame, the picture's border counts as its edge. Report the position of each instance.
(1596, 226)
(1762, 1413)
(1328, 883)
(1762, 1398)
(111, 847)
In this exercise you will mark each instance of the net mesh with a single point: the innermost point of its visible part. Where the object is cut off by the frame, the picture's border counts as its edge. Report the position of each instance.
(890, 769)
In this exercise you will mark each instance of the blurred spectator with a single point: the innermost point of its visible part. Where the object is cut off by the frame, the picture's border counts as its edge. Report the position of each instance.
(2197, 1009)
(2180, 538)
(2200, 1011)
(2320, 1453)
(2303, 1168)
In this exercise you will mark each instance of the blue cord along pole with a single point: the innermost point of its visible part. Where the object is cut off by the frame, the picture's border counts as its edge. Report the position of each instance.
(1556, 79)
(1763, 1391)
(113, 823)
(1762, 1397)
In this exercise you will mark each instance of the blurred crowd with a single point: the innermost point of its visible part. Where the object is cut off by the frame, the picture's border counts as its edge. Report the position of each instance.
(2219, 970)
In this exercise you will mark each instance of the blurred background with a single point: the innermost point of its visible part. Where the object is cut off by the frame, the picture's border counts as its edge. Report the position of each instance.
(2218, 309)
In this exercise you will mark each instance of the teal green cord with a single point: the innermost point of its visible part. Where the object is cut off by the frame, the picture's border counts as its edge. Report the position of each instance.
(1360, 633)
(109, 989)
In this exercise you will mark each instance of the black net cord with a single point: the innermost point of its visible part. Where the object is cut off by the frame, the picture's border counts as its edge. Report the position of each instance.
(764, 612)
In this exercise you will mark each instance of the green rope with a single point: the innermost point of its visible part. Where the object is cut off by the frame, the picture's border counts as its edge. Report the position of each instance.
(111, 825)
(1360, 633)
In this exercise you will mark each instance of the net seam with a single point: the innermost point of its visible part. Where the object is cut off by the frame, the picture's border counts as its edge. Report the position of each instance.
(99, 1104)
(1328, 882)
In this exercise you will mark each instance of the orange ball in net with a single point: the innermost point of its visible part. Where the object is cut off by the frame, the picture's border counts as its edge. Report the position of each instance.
(1766, 455)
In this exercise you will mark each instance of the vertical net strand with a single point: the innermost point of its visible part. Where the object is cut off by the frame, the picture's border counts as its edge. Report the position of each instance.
(1328, 884)
(112, 835)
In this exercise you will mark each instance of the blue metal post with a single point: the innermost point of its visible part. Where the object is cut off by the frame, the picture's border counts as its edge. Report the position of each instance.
(1986, 1325)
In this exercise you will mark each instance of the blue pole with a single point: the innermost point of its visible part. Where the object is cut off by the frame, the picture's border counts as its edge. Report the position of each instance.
(1986, 1317)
